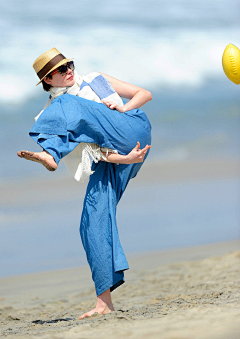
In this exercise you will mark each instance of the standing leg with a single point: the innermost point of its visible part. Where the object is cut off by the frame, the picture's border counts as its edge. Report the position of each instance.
(98, 229)
(99, 232)
(104, 305)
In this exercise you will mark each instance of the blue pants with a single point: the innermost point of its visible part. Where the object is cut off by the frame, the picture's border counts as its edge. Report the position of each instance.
(62, 126)
(98, 226)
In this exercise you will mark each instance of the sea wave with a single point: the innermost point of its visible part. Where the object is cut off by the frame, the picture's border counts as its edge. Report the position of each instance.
(149, 58)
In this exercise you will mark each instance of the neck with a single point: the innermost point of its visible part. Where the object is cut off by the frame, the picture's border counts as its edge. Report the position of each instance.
(57, 91)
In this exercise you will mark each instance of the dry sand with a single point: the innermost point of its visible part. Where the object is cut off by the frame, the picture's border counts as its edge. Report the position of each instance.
(179, 294)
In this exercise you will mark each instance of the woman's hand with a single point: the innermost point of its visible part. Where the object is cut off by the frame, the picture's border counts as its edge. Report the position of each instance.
(112, 105)
(137, 154)
(138, 96)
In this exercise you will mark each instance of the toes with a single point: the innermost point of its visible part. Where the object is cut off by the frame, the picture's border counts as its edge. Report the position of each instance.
(38, 157)
(29, 153)
(85, 315)
(19, 154)
(23, 152)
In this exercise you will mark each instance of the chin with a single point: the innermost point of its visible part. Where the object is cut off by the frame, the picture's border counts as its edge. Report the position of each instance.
(71, 83)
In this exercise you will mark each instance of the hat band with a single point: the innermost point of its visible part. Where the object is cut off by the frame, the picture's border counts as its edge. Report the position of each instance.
(54, 61)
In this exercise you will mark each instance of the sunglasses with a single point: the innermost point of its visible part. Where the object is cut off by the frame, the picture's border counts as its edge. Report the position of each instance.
(63, 68)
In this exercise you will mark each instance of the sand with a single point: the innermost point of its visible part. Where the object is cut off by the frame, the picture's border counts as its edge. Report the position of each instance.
(178, 294)
(191, 293)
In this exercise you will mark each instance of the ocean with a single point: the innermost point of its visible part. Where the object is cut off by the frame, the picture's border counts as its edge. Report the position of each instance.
(174, 49)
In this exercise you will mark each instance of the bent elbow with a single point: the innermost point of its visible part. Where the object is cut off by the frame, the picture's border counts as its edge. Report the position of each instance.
(149, 95)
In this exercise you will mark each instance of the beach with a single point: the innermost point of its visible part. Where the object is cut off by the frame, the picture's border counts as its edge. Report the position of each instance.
(175, 294)
(178, 221)
(187, 292)
(168, 205)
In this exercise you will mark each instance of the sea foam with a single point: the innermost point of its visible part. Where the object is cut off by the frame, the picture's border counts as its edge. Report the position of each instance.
(152, 45)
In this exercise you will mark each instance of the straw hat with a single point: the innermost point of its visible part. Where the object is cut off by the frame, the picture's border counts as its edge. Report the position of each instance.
(47, 62)
(231, 63)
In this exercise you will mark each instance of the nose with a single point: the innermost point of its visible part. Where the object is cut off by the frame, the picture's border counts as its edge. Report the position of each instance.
(69, 71)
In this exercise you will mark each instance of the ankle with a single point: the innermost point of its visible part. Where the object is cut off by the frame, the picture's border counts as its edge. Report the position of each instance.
(102, 305)
(104, 309)
(48, 154)
(104, 301)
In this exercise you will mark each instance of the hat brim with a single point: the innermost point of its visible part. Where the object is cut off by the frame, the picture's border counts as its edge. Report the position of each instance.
(62, 62)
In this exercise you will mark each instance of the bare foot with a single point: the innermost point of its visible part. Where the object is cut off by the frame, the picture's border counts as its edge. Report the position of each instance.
(96, 310)
(43, 158)
(104, 305)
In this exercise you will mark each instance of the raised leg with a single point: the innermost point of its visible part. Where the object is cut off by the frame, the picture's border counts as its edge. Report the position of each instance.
(43, 158)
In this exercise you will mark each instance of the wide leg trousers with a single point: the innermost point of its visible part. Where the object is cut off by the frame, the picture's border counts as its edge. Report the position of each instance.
(98, 226)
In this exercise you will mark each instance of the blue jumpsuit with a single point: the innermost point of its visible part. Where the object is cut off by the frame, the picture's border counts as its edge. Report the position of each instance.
(70, 120)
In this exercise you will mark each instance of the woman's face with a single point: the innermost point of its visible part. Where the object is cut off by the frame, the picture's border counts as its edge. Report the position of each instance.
(59, 80)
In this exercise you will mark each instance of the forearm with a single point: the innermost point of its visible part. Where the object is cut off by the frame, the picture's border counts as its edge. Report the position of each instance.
(138, 100)
(115, 158)
(135, 156)
(138, 96)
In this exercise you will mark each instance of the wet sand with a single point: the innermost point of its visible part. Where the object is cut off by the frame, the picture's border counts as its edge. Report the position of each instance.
(178, 294)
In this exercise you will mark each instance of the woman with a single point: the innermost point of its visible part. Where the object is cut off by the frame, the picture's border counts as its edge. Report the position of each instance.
(91, 119)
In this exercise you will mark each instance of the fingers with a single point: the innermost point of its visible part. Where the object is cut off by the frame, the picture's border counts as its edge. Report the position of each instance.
(106, 103)
(137, 155)
(138, 146)
(142, 153)
(145, 149)
(109, 104)
(112, 106)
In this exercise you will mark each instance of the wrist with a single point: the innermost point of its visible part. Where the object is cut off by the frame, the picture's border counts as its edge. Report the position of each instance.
(126, 159)
(123, 109)
(123, 159)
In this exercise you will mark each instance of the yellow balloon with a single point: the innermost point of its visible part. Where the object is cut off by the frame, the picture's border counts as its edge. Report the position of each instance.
(231, 63)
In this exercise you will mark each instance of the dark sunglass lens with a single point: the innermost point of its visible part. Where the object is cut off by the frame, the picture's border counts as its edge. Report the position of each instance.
(62, 69)
(70, 64)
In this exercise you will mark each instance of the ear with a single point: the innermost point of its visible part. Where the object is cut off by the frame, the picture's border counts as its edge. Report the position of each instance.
(47, 80)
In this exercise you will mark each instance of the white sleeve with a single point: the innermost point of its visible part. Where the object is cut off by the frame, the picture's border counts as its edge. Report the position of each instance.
(79, 161)
(96, 152)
